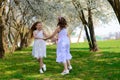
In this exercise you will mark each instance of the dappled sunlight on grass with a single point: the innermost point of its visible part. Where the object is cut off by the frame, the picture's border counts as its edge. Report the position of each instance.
(10, 72)
(102, 65)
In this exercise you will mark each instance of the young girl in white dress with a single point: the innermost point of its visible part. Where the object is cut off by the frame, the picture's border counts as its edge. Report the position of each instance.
(39, 46)
(63, 45)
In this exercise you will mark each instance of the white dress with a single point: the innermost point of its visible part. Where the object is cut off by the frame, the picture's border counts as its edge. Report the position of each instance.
(39, 46)
(63, 47)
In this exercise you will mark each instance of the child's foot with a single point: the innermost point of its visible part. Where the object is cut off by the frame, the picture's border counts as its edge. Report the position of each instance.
(70, 67)
(65, 72)
(41, 71)
(44, 67)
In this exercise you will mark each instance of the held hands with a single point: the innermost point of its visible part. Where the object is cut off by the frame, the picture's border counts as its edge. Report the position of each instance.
(53, 39)
(42, 38)
(45, 39)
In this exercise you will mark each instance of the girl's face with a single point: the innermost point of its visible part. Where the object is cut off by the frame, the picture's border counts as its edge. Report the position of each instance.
(39, 26)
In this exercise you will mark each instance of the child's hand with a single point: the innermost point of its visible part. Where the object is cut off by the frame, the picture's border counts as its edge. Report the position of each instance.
(54, 39)
(45, 39)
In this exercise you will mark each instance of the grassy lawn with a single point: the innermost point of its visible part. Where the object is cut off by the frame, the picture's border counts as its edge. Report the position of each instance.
(102, 65)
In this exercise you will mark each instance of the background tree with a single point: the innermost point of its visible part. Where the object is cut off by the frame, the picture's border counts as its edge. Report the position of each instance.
(88, 26)
(17, 16)
(2, 6)
(116, 7)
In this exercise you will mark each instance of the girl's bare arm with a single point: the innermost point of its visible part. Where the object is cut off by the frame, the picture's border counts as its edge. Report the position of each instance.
(35, 35)
(54, 33)
(45, 34)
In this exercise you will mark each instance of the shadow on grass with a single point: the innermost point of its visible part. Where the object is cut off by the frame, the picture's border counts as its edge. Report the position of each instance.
(103, 65)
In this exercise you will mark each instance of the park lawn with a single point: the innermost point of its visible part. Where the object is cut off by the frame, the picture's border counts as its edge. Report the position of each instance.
(102, 65)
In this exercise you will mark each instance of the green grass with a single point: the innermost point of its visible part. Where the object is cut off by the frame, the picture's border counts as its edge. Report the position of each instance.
(102, 65)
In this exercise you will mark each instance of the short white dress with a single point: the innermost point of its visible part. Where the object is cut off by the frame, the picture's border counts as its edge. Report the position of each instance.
(39, 46)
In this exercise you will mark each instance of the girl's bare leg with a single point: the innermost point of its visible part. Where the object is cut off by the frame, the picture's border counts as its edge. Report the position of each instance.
(65, 66)
(41, 63)
(65, 71)
(68, 62)
(69, 65)
(38, 60)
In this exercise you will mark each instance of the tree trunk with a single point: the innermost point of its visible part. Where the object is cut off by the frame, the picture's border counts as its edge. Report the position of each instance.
(79, 35)
(1, 30)
(91, 38)
(88, 37)
(116, 7)
(24, 39)
(91, 29)
(84, 22)
(14, 45)
(1, 39)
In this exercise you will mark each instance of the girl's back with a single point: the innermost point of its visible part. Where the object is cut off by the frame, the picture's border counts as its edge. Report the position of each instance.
(63, 34)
